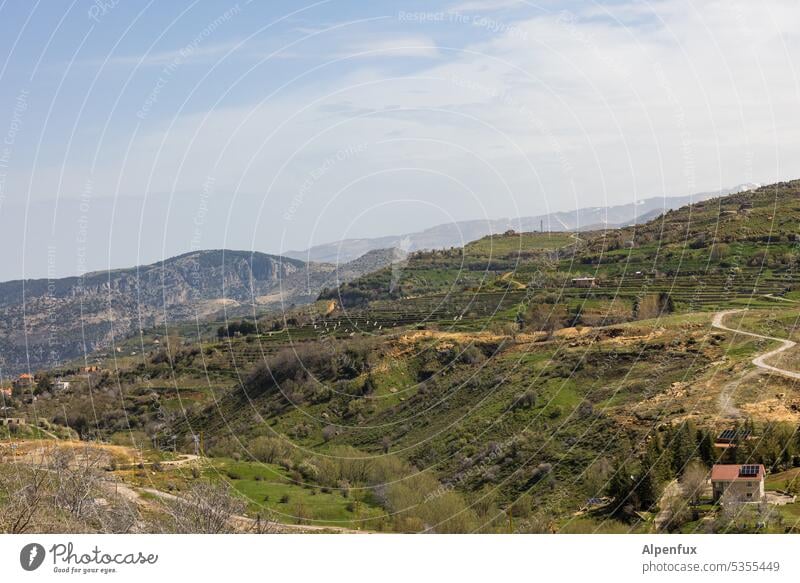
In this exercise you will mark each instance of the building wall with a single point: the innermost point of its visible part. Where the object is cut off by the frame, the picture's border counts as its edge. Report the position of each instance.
(741, 489)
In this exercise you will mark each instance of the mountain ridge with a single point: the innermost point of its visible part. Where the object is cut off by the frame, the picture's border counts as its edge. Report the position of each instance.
(46, 321)
(459, 233)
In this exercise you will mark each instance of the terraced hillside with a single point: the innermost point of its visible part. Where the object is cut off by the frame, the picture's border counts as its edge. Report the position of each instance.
(538, 382)
(717, 252)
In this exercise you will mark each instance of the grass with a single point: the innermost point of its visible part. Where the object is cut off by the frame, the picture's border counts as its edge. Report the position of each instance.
(508, 245)
(267, 487)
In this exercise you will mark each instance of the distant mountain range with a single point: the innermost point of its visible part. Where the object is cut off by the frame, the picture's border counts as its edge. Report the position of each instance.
(45, 322)
(459, 233)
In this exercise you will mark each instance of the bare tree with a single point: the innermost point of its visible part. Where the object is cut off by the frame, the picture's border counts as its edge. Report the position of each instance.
(63, 492)
(730, 511)
(264, 523)
(25, 498)
(694, 480)
(206, 508)
(675, 508)
(77, 480)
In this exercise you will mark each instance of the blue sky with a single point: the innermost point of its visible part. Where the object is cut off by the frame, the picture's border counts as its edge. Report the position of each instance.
(133, 131)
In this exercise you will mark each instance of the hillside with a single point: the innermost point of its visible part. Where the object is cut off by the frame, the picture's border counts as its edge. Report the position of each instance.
(466, 389)
(46, 322)
(706, 254)
(458, 233)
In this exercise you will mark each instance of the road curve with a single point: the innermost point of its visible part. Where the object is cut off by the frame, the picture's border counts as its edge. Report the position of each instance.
(759, 361)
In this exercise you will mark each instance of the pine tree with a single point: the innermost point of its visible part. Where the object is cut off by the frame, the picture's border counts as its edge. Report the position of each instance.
(621, 488)
(705, 447)
(683, 447)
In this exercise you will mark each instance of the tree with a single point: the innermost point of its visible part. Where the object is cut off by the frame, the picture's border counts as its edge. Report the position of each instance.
(545, 317)
(269, 449)
(694, 480)
(683, 446)
(24, 500)
(44, 383)
(730, 510)
(652, 306)
(596, 478)
(653, 473)
(328, 432)
(720, 251)
(621, 489)
(705, 447)
(206, 508)
(675, 511)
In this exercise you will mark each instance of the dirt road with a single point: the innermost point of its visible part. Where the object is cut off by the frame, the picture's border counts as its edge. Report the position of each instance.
(759, 361)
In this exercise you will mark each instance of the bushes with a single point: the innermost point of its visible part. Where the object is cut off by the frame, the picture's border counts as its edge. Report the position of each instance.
(525, 400)
(206, 508)
(328, 432)
(652, 306)
(545, 317)
(308, 471)
(225, 447)
(269, 449)
(472, 355)
(421, 504)
(243, 328)
(308, 363)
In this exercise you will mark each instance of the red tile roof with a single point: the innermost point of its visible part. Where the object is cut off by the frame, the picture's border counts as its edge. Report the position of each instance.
(729, 472)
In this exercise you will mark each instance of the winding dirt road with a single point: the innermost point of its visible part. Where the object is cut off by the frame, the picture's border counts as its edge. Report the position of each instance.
(759, 361)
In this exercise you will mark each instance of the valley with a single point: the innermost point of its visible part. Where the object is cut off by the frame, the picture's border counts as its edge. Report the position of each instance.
(527, 382)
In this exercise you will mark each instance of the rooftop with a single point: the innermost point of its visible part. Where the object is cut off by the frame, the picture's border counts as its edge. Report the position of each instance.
(728, 472)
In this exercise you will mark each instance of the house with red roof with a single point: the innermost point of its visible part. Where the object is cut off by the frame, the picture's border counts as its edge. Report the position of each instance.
(745, 482)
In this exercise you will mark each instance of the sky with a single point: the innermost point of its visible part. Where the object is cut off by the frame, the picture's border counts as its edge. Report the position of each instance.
(135, 131)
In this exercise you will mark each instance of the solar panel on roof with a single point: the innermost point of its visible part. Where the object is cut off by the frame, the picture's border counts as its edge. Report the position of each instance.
(748, 470)
(731, 435)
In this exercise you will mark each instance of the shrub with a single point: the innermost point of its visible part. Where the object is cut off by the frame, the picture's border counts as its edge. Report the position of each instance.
(328, 432)
(269, 449)
(308, 470)
(525, 400)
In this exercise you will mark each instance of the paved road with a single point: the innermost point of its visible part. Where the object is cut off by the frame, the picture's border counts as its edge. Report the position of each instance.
(759, 361)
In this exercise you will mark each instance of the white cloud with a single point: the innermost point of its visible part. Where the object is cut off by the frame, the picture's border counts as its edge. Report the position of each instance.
(568, 109)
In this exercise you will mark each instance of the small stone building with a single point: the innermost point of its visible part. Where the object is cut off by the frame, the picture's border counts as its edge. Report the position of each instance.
(584, 282)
